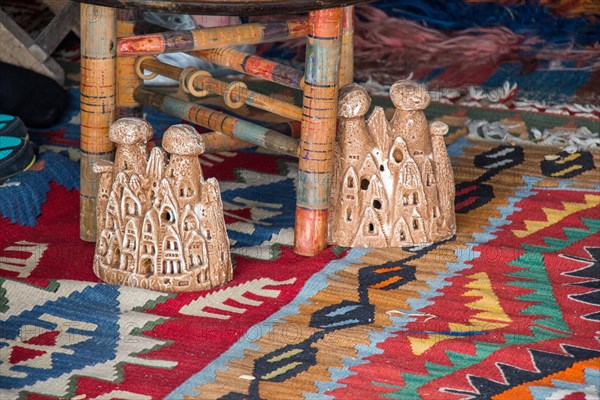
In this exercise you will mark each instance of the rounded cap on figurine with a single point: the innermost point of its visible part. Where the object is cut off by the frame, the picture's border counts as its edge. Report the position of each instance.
(438, 128)
(408, 95)
(354, 101)
(130, 131)
(183, 140)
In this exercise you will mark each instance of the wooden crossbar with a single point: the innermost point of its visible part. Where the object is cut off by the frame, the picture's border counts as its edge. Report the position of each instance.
(210, 38)
(235, 94)
(218, 121)
(254, 66)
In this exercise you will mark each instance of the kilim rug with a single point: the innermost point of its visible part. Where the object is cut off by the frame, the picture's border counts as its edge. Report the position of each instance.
(508, 309)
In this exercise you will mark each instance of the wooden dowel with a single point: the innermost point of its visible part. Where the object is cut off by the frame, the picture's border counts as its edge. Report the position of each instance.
(98, 35)
(240, 61)
(218, 121)
(347, 57)
(318, 130)
(210, 38)
(235, 94)
(127, 79)
(253, 65)
(215, 142)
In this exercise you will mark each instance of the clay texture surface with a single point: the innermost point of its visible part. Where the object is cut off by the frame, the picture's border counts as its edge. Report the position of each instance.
(161, 223)
(393, 184)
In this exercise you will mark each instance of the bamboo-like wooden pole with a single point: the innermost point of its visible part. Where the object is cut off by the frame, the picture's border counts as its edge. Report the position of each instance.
(318, 130)
(209, 38)
(218, 121)
(98, 36)
(347, 57)
(127, 80)
(235, 94)
(215, 142)
(253, 65)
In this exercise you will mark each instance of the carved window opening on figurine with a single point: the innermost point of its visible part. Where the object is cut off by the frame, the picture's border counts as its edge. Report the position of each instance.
(186, 192)
(398, 155)
(370, 229)
(131, 207)
(350, 182)
(195, 260)
(348, 215)
(430, 179)
(103, 246)
(196, 257)
(377, 204)
(147, 266)
(172, 245)
(171, 266)
(415, 224)
(196, 253)
(364, 184)
(436, 212)
(402, 236)
(189, 224)
(168, 215)
(149, 249)
(115, 256)
(129, 262)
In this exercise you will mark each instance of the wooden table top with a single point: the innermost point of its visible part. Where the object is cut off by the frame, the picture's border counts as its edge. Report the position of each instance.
(226, 7)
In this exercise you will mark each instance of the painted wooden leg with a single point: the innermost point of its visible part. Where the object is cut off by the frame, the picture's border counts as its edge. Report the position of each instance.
(98, 45)
(347, 58)
(318, 130)
(127, 79)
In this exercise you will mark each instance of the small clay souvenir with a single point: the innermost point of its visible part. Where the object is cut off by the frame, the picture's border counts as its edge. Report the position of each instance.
(393, 184)
(160, 222)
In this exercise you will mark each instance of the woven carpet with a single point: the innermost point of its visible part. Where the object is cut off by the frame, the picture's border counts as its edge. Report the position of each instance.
(508, 309)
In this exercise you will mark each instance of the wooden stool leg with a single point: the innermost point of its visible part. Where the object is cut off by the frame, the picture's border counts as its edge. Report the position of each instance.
(127, 80)
(318, 130)
(347, 58)
(98, 51)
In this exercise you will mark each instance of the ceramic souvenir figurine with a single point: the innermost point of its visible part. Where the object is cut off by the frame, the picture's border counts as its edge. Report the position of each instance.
(393, 185)
(161, 224)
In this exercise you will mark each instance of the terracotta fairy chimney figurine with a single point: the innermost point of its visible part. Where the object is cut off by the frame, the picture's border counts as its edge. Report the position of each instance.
(392, 181)
(161, 224)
